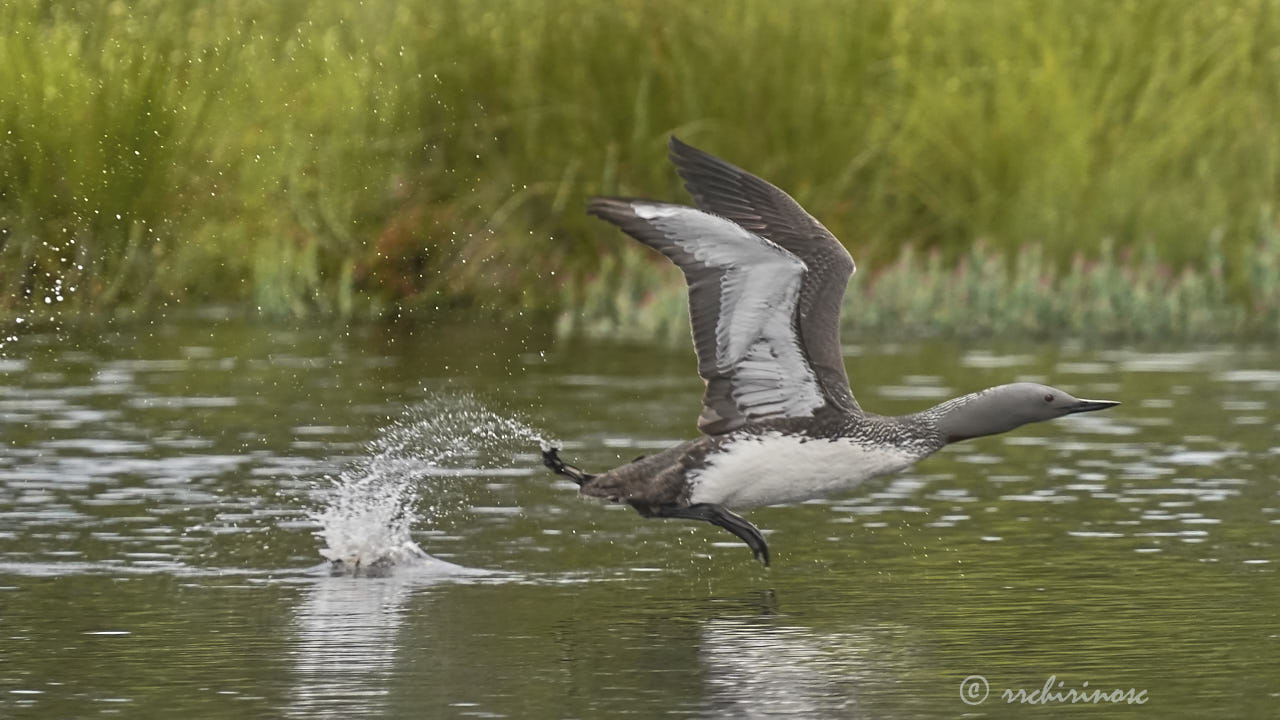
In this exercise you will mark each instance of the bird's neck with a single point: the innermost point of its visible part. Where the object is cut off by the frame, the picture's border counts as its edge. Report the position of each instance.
(968, 416)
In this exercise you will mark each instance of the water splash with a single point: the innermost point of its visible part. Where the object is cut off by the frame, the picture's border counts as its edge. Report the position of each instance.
(372, 507)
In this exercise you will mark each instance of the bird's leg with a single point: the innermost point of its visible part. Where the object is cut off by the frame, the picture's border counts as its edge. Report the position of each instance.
(718, 515)
(551, 458)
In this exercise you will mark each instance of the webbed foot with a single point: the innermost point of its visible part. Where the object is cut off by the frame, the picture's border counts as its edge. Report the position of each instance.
(720, 516)
(551, 458)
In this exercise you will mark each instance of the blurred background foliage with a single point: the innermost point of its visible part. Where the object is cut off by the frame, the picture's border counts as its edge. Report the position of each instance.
(993, 167)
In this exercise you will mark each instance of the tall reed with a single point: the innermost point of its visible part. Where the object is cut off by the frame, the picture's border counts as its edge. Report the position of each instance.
(361, 158)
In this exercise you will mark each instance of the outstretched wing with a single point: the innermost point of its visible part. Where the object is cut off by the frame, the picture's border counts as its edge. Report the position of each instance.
(743, 291)
(763, 209)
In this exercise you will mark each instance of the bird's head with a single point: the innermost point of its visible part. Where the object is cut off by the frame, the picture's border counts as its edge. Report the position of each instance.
(1005, 407)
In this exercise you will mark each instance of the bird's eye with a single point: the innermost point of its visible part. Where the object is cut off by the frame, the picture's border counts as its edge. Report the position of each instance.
(1048, 398)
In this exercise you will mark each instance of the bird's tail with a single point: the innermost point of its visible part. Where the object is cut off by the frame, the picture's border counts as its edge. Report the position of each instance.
(551, 458)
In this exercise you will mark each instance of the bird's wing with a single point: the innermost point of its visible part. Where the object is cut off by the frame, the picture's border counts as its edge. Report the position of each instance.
(765, 210)
(743, 291)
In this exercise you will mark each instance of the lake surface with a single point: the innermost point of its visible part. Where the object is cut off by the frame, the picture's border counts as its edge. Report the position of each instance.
(167, 492)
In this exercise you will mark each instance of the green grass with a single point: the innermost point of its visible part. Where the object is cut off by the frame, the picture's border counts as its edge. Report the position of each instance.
(359, 159)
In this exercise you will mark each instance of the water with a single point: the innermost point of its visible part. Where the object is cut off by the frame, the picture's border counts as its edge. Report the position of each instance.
(171, 496)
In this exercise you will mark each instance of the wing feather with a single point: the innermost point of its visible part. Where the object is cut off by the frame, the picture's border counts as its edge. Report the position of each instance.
(743, 294)
(763, 209)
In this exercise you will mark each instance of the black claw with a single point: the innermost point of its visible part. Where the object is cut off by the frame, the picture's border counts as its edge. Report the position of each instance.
(761, 553)
(751, 536)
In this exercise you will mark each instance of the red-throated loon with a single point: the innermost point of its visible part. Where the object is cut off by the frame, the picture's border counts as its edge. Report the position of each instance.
(779, 423)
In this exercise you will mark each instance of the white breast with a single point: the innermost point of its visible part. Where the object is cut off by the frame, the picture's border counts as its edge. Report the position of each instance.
(776, 469)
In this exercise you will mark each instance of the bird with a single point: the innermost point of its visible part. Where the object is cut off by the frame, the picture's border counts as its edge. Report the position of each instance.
(779, 423)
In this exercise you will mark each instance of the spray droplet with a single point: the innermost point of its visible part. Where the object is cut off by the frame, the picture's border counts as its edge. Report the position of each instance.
(371, 509)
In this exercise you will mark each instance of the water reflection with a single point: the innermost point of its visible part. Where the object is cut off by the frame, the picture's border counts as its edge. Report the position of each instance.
(756, 670)
(349, 636)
